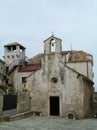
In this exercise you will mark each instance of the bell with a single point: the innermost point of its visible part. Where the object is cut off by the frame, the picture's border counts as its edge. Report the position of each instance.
(52, 44)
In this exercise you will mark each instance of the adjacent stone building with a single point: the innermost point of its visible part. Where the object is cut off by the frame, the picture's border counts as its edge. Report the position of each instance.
(14, 55)
(95, 104)
(2, 71)
(59, 82)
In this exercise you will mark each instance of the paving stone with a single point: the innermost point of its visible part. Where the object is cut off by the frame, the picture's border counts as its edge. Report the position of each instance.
(49, 123)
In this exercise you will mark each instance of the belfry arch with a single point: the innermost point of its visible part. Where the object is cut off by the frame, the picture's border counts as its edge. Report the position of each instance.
(52, 44)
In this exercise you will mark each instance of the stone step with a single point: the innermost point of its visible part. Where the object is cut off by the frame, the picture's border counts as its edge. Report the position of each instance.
(20, 115)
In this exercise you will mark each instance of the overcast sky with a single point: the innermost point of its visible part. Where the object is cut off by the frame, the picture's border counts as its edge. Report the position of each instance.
(30, 22)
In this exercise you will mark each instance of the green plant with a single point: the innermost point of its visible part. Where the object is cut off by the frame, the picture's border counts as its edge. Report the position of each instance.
(4, 88)
(25, 90)
(7, 90)
(11, 91)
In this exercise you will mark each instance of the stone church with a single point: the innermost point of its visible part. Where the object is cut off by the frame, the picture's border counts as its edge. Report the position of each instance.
(59, 82)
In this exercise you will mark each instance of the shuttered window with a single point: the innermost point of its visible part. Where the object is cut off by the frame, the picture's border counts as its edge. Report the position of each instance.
(24, 79)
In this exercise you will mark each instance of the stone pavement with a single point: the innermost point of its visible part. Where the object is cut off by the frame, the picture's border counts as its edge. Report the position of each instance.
(49, 123)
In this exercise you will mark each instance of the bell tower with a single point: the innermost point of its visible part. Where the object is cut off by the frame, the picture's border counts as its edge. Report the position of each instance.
(52, 45)
(14, 55)
(52, 59)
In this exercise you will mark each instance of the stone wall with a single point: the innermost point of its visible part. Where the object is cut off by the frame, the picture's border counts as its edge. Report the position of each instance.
(2, 67)
(95, 102)
(88, 99)
(23, 103)
(1, 106)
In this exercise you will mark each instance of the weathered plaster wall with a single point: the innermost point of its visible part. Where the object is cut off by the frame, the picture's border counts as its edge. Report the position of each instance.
(68, 87)
(73, 94)
(84, 68)
(17, 81)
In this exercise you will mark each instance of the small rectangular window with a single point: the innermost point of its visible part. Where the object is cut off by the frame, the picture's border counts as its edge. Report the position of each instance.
(7, 69)
(24, 79)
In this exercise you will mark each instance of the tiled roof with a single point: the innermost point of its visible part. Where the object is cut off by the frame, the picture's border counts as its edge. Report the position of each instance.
(14, 44)
(74, 56)
(36, 59)
(79, 56)
(29, 68)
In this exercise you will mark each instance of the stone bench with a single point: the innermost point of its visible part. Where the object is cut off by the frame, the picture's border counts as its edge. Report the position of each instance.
(37, 113)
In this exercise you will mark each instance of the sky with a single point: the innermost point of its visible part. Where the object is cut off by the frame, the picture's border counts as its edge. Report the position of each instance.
(30, 22)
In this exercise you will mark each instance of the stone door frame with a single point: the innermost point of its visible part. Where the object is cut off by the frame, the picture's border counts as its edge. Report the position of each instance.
(60, 103)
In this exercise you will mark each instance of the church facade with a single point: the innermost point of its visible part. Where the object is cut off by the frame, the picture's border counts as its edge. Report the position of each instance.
(64, 83)
(59, 82)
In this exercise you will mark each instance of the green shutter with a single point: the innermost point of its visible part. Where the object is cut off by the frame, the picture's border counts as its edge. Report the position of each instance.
(23, 79)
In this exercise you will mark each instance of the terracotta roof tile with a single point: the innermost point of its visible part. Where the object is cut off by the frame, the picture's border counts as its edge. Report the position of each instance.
(74, 56)
(80, 56)
(36, 59)
(29, 68)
